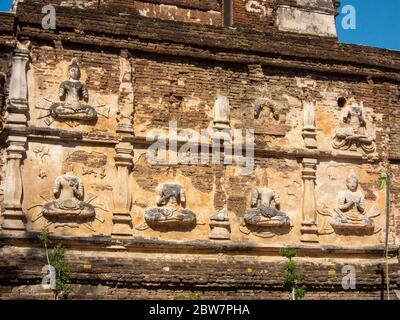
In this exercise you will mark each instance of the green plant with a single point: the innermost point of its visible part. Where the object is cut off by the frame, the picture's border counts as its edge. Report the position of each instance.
(243, 44)
(190, 296)
(44, 238)
(385, 182)
(293, 283)
(57, 260)
(62, 272)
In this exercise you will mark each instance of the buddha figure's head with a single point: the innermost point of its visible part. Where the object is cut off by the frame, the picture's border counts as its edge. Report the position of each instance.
(352, 182)
(74, 70)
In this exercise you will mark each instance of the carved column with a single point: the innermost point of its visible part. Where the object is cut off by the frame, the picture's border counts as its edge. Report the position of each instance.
(309, 128)
(309, 228)
(14, 218)
(16, 122)
(122, 219)
(126, 95)
(2, 89)
(122, 197)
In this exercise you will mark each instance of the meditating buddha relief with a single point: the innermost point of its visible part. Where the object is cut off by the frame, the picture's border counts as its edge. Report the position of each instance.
(171, 209)
(69, 207)
(353, 133)
(265, 217)
(68, 191)
(71, 93)
(72, 107)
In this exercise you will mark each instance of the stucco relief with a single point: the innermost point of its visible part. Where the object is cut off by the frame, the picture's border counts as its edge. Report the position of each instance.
(73, 107)
(353, 133)
(70, 189)
(126, 96)
(265, 218)
(350, 215)
(171, 209)
(69, 208)
(270, 112)
(350, 203)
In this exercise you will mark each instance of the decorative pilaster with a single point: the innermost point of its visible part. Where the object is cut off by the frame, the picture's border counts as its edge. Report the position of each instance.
(309, 228)
(222, 121)
(2, 89)
(309, 128)
(126, 95)
(122, 198)
(16, 122)
(122, 219)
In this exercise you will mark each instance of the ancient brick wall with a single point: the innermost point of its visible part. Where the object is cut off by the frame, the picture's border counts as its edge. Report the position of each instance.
(202, 12)
(142, 74)
(207, 12)
(149, 275)
(254, 14)
(259, 15)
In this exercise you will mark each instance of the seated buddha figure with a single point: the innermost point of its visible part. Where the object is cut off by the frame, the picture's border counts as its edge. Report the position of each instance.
(71, 92)
(68, 191)
(265, 212)
(353, 134)
(351, 209)
(171, 200)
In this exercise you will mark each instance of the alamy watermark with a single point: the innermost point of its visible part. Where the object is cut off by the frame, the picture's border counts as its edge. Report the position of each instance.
(349, 277)
(49, 278)
(49, 20)
(349, 21)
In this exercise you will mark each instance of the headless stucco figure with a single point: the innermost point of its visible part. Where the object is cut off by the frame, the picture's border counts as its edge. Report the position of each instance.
(354, 134)
(171, 200)
(71, 92)
(68, 190)
(265, 203)
(351, 207)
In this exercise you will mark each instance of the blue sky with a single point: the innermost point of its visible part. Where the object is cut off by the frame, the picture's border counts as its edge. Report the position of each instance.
(5, 5)
(377, 23)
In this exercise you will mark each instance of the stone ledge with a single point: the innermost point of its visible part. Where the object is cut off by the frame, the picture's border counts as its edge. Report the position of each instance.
(59, 134)
(141, 142)
(296, 153)
(107, 243)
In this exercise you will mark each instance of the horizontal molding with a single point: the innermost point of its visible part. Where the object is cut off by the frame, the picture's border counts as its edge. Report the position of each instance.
(89, 23)
(139, 142)
(142, 244)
